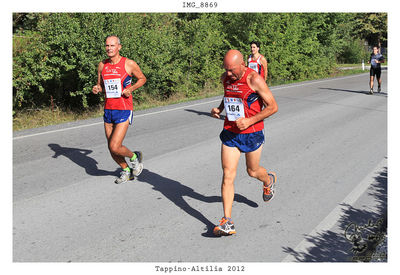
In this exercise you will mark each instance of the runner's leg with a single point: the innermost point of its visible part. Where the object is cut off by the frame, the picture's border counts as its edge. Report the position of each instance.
(379, 79)
(371, 82)
(253, 166)
(229, 158)
(115, 134)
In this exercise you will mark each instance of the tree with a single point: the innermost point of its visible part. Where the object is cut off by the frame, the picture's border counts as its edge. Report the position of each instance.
(55, 55)
(372, 27)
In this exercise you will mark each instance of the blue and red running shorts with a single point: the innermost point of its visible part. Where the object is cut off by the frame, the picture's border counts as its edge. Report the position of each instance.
(117, 116)
(244, 142)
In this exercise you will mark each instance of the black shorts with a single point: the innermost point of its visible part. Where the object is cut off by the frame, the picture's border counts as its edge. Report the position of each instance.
(375, 72)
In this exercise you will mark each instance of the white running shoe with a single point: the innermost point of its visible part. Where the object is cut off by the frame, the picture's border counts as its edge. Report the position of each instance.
(137, 165)
(125, 177)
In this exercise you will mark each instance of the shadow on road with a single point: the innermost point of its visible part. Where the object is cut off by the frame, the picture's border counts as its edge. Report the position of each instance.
(356, 91)
(171, 189)
(349, 91)
(222, 117)
(361, 232)
(81, 158)
(175, 191)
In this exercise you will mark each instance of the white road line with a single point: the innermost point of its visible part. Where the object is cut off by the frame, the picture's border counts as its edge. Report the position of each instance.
(101, 122)
(315, 82)
(178, 108)
(55, 131)
(326, 224)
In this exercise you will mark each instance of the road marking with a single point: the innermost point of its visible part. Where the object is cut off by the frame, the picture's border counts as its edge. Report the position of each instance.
(316, 82)
(178, 108)
(101, 122)
(326, 224)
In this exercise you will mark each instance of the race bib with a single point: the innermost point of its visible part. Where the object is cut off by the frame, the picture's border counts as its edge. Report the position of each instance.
(234, 108)
(113, 87)
(253, 66)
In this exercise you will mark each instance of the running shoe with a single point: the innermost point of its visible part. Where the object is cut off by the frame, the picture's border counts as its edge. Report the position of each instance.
(225, 228)
(379, 89)
(124, 177)
(269, 190)
(371, 91)
(137, 165)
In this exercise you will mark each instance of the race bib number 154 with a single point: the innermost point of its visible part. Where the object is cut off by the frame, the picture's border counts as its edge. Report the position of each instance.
(113, 87)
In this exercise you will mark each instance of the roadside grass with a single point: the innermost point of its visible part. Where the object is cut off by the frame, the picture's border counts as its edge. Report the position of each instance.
(34, 118)
(351, 65)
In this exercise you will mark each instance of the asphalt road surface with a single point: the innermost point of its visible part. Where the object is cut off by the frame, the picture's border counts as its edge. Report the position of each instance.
(327, 144)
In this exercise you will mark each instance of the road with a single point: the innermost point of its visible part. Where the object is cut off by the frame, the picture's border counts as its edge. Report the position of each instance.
(327, 144)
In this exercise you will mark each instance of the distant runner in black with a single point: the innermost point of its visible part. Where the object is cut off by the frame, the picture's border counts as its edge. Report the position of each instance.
(375, 61)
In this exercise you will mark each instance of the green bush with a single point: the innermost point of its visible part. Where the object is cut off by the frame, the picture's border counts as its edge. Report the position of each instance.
(55, 55)
(353, 52)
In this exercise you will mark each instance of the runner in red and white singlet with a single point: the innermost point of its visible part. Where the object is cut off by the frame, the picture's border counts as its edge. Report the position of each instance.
(247, 102)
(115, 79)
(241, 101)
(256, 65)
(257, 61)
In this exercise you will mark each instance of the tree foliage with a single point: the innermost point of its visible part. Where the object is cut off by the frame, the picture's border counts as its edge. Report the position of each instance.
(55, 55)
(372, 27)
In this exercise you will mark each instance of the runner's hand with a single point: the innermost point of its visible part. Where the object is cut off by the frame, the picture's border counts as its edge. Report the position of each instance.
(97, 89)
(127, 92)
(215, 112)
(242, 123)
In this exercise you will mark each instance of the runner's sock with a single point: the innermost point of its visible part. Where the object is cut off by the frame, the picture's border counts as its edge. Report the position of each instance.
(128, 169)
(229, 219)
(133, 157)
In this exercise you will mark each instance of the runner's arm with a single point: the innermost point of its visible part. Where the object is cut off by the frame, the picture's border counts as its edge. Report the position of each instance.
(133, 69)
(264, 63)
(370, 58)
(257, 83)
(98, 88)
(216, 111)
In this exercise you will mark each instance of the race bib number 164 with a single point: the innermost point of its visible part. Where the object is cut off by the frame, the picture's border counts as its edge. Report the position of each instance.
(234, 108)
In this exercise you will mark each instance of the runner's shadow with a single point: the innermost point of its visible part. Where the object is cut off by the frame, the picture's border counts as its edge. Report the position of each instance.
(345, 90)
(222, 117)
(357, 92)
(81, 158)
(175, 191)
